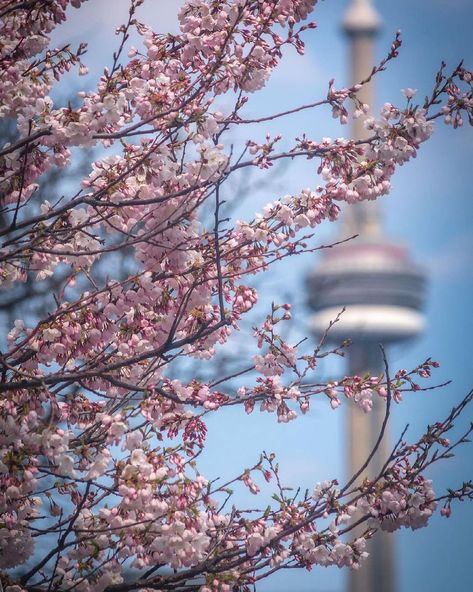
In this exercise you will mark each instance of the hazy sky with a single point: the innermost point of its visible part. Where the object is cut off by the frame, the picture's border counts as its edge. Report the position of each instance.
(429, 209)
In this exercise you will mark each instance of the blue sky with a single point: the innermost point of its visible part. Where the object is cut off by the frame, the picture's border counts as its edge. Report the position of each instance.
(430, 209)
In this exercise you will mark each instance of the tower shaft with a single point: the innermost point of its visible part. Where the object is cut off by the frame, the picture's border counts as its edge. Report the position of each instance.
(377, 573)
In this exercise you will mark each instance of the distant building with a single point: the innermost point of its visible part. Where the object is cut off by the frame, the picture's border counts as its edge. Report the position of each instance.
(383, 294)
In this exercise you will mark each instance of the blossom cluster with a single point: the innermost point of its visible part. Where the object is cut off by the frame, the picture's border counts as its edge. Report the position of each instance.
(100, 437)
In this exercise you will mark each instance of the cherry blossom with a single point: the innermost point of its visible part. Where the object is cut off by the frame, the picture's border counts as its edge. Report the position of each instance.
(100, 433)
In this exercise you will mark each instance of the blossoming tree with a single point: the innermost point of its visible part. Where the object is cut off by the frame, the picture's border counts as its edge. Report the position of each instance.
(100, 486)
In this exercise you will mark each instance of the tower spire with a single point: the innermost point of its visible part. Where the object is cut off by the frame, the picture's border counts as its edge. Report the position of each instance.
(362, 23)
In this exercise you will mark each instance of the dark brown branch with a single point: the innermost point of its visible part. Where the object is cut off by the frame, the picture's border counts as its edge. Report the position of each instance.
(25, 141)
(218, 261)
(382, 430)
(61, 541)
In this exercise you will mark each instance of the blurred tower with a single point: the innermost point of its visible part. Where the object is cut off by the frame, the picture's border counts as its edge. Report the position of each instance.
(383, 293)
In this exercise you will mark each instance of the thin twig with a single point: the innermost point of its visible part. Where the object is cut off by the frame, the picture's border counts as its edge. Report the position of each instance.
(218, 261)
(382, 430)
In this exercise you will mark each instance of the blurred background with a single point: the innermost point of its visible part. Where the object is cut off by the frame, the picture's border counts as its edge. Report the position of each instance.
(429, 210)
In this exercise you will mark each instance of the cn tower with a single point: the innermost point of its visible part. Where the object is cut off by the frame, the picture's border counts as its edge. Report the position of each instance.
(383, 294)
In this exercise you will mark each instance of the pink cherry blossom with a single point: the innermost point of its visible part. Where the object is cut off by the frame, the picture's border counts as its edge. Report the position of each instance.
(102, 423)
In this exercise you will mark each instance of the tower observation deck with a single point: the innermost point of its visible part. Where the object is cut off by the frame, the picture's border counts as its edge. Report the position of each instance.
(382, 292)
